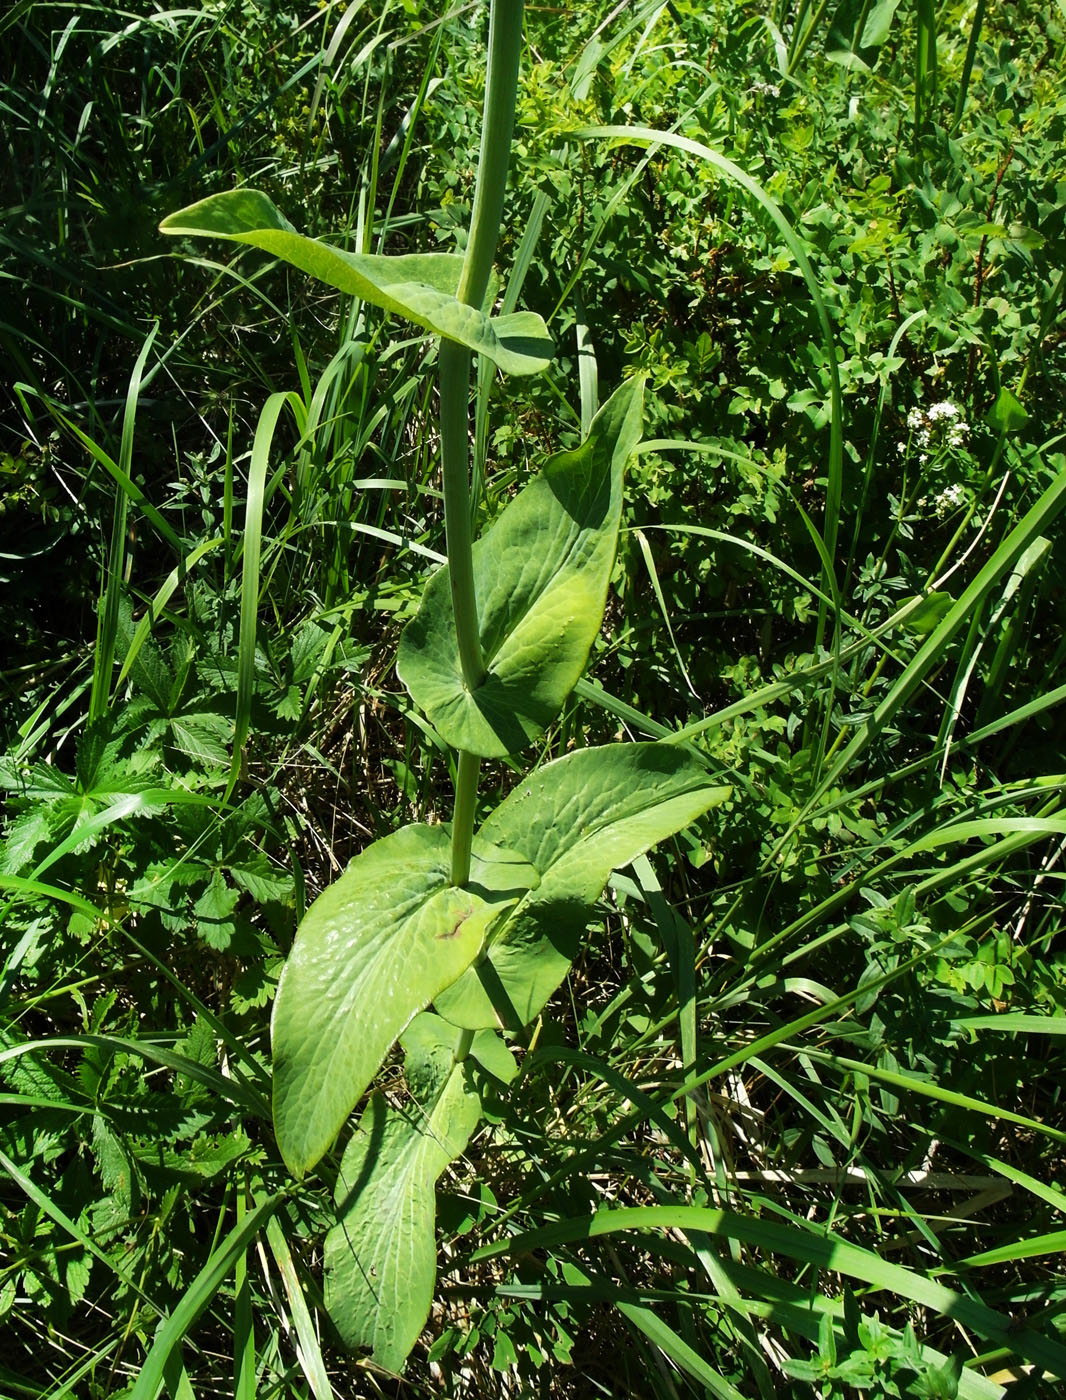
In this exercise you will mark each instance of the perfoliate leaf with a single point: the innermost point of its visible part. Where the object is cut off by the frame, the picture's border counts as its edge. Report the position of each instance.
(575, 820)
(418, 286)
(540, 576)
(373, 949)
(381, 1256)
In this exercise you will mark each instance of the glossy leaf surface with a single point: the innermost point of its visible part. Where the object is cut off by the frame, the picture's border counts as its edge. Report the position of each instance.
(540, 576)
(381, 1257)
(420, 287)
(373, 949)
(575, 820)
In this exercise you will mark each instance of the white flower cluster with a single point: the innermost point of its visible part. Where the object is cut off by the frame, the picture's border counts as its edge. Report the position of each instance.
(949, 500)
(942, 424)
(766, 89)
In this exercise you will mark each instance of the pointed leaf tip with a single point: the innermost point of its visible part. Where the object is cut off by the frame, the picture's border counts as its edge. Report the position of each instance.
(421, 287)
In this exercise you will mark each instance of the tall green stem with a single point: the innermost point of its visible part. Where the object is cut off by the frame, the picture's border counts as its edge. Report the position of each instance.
(454, 372)
(501, 88)
(467, 770)
(497, 127)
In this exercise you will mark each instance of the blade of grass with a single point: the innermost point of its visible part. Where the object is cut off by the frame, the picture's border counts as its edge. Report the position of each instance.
(244, 1367)
(806, 1246)
(162, 597)
(308, 1351)
(196, 1298)
(1036, 522)
(253, 530)
(638, 135)
(231, 1090)
(114, 570)
(913, 1084)
(660, 1334)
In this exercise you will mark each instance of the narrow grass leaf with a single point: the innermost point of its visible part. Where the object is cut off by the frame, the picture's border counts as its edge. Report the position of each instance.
(252, 546)
(196, 1298)
(822, 1251)
(161, 598)
(308, 1351)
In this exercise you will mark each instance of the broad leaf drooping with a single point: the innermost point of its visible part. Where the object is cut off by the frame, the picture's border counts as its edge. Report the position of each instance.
(420, 287)
(381, 1256)
(540, 576)
(374, 948)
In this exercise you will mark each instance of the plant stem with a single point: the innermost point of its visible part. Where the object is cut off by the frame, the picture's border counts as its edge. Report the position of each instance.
(497, 126)
(501, 88)
(454, 371)
(466, 775)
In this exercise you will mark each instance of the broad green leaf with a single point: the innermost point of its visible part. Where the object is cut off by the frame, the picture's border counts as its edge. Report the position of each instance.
(418, 286)
(575, 820)
(929, 612)
(1006, 415)
(540, 575)
(373, 949)
(381, 1257)
(878, 24)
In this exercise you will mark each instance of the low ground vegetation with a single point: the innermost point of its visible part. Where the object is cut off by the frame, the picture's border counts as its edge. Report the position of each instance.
(811, 1055)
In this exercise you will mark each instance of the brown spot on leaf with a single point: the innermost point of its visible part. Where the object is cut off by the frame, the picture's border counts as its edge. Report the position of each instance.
(453, 932)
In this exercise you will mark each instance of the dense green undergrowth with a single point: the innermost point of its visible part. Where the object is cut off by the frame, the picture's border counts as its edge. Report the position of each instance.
(806, 1078)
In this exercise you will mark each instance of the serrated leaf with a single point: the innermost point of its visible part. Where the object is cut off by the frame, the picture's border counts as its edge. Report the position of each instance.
(373, 949)
(420, 287)
(540, 576)
(380, 1258)
(77, 1269)
(203, 1159)
(262, 879)
(574, 820)
(22, 838)
(95, 753)
(214, 910)
(39, 780)
(203, 738)
(112, 1162)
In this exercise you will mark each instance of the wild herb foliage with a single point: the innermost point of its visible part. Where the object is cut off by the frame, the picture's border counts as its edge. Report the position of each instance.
(804, 1077)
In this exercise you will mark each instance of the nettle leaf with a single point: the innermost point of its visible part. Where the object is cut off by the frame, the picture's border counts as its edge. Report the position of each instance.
(381, 1256)
(420, 287)
(540, 576)
(374, 949)
(214, 910)
(574, 820)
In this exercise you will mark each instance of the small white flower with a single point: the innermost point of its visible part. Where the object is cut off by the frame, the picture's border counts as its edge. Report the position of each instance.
(949, 499)
(941, 424)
